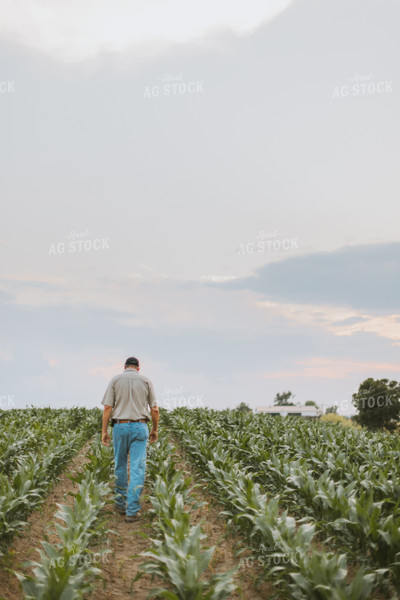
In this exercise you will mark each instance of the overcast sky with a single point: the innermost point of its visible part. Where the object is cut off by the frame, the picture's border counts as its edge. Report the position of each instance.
(212, 187)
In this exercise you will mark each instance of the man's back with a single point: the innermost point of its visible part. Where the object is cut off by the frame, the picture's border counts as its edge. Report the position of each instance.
(131, 395)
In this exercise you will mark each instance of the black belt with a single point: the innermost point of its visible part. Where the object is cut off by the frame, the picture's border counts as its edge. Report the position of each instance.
(130, 420)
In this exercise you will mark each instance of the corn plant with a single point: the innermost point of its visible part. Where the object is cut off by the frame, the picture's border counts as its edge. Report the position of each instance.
(180, 559)
(323, 577)
(32, 466)
(63, 571)
(177, 555)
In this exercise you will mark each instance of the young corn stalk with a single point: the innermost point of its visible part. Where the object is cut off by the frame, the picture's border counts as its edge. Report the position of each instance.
(30, 474)
(66, 569)
(178, 556)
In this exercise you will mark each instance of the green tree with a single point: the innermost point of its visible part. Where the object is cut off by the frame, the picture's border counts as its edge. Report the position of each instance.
(332, 409)
(283, 399)
(243, 407)
(311, 403)
(378, 403)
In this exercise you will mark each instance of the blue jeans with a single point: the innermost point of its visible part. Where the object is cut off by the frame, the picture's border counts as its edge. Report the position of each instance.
(129, 438)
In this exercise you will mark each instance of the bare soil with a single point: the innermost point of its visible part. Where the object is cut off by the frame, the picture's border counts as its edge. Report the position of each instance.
(121, 565)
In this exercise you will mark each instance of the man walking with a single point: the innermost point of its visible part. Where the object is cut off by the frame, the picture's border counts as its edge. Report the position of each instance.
(128, 397)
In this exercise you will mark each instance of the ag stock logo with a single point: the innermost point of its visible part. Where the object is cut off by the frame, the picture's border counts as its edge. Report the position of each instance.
(271, 241)
(179, 397)
(362, 85)
(79, 241)
(173, 85)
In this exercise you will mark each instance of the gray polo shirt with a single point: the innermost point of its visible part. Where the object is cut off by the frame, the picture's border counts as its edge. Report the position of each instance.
(131, 395)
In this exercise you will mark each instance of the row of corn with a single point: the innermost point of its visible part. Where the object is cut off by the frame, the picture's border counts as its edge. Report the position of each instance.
(23, 431)
(30, 470)
(178, 556)
(287, 545)
(67, 568)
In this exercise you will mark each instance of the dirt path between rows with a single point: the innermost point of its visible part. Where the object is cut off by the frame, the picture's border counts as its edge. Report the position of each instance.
(129, 540)
(40, 523)
(120, 566)
(214, 525)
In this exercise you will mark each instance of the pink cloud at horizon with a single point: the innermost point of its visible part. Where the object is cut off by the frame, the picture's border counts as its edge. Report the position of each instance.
(333, 369)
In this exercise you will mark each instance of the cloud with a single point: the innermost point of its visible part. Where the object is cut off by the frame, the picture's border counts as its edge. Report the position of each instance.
(79, 29)
(162, 303)
(336, 320)
(223, 347)
(363, 277)
(218, 278)
(154, 302)
(327, 368)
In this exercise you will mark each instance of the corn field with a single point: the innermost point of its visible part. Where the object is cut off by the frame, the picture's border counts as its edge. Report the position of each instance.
(35, 444)
(323, 497)
(314, 506)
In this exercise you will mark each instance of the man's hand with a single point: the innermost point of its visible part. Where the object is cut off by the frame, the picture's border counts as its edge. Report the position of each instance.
(153, 435)
(105, 438)
(155, 415)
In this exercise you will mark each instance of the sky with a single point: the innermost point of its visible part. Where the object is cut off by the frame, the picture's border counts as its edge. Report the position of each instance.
(210, 187)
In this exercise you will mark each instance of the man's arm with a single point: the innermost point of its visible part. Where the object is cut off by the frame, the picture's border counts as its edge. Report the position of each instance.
(155, 415)
(105, 438)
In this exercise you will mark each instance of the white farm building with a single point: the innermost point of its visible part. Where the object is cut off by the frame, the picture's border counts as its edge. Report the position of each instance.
(311, 412)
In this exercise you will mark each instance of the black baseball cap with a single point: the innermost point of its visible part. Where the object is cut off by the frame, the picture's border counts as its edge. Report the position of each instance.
(132, 361)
